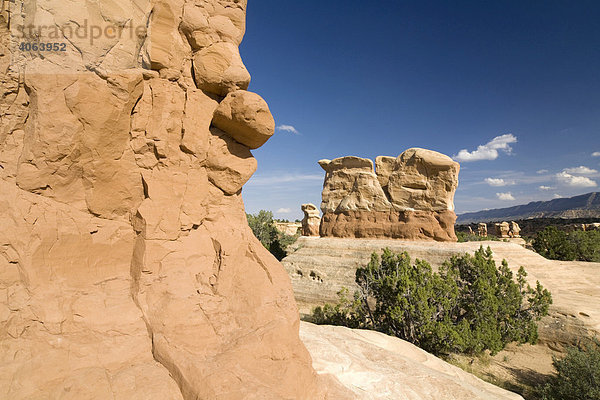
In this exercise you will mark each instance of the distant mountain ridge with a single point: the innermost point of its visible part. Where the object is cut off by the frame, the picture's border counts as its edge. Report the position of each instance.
(582, 206)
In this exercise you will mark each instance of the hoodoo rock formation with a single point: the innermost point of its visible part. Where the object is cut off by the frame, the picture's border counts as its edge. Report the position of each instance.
(482, 229)
(408, 197)
(311, 221)
(127, 269)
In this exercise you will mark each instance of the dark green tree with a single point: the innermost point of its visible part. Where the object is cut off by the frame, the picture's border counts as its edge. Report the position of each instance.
(263, 227)
(586, 245)
(468, 306)
(554, 244)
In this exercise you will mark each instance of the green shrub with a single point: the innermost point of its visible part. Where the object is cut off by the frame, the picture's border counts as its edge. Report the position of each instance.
(555, 244)
(347, 312)
(471, 237)
(263, 227)
(578, 375)
(586, 244)
(468, 306)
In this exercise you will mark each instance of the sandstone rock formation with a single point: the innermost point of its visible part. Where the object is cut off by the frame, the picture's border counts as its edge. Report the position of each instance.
(515, 230)
(127, 269)
(502, 229)
(289, 228)
(590, 227)
(482, 229)
(311, 221)
(409, 197)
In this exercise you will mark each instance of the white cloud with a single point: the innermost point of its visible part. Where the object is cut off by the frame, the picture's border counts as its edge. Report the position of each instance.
(596, 154)
(575, 181)
(488, 151)
(496, 182)
(284, 210)
(270, 180)
(288, 128)
(557, 196)
(546, 187)
(505, 196)
(542, 171)
(581, 170)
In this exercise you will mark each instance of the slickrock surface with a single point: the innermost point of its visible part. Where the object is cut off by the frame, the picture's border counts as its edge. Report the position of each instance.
(320, 267)
(127, 269)
(409, 197)
(377, 366)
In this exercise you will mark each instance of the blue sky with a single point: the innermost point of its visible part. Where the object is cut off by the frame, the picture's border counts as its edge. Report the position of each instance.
(509, 88)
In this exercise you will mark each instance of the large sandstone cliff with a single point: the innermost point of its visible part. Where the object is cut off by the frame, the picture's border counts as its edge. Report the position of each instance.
(408, 197)
(127, 269)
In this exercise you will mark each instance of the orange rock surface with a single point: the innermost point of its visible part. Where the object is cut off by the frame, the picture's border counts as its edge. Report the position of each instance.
(127, 268)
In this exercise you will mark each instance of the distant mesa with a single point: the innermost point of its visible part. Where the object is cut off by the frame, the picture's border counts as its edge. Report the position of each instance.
(408, 197)
(582, 206)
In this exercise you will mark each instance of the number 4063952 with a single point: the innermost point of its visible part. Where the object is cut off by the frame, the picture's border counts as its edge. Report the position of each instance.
(25, 46)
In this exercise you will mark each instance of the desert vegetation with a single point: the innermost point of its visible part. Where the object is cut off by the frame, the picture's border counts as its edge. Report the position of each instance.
(578, 375)
(263, 227)
(473, 237)
(470, 305)
(557, 244)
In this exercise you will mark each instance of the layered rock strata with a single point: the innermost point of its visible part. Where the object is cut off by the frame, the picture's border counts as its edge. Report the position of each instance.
(127, 269)
(408, 197)
(289, 228)
(380, 367)
(502, 229)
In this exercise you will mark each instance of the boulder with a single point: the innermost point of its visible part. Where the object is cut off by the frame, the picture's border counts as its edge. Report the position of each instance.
(245, 116)
(351, 185)
(423, 180)
(204, 24)
(230, 164)
(219, 69)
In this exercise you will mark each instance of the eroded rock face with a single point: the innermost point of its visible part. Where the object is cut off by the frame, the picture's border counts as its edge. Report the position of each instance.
(127, 269)
(311, 221)
(502, 229)
(515, 230)
(408, 197)
(482, 229)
